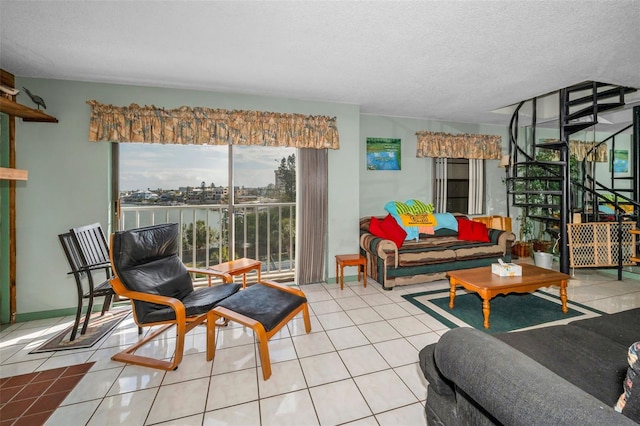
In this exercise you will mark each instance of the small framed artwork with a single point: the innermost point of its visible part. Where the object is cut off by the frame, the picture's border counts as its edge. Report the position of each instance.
(619, 161)
(383, 154)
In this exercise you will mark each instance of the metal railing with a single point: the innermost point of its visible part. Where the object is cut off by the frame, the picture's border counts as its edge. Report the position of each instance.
(265, 232)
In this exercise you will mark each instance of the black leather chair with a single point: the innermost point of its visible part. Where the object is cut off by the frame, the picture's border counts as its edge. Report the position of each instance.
(149, 272)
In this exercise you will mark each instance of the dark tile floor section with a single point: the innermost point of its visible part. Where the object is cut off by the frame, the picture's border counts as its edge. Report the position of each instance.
(29, 399)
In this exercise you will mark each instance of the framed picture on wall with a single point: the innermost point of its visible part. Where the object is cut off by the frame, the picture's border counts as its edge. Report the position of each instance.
(619, 161)
(383, 154)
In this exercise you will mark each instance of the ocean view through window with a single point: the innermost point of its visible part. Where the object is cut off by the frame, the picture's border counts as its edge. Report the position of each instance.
(191, 185)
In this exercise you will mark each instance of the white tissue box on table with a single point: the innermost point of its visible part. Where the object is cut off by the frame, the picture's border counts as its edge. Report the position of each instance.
(506, 269)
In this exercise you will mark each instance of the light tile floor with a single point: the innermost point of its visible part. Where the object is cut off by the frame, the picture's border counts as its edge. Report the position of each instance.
(358, 366)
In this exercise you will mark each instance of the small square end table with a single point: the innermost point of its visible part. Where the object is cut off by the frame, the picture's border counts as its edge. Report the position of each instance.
(238, 267)
(343, 260)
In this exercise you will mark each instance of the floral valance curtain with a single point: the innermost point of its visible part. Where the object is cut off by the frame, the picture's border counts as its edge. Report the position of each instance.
(198, 126)
(447, 145)
(579, 150)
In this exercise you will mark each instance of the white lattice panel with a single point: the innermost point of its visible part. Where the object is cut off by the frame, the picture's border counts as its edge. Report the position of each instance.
(596, 244)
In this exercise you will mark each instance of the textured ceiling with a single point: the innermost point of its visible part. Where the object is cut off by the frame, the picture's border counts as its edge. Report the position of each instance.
(446, 60)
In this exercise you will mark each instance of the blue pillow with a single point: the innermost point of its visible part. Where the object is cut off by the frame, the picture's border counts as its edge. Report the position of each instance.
(603, 208)
(445, 220)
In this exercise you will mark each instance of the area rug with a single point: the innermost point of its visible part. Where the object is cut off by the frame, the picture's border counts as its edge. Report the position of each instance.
(98, 327)
(514, 311)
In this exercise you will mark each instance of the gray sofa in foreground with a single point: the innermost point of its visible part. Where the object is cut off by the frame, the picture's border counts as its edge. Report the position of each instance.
(560, 375)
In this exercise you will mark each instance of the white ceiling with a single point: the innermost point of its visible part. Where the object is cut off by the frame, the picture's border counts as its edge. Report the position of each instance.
(445, 60)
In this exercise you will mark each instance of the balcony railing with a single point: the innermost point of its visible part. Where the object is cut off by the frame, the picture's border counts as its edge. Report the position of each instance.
(265, 232)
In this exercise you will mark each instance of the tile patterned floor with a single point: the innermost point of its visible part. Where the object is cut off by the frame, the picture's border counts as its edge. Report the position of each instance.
(358, 366)
(30, 399)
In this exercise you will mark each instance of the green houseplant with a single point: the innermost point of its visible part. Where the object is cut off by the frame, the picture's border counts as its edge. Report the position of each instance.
(522, 247)
(536, 199)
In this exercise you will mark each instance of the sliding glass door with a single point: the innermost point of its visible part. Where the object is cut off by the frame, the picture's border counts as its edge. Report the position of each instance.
(231, 201)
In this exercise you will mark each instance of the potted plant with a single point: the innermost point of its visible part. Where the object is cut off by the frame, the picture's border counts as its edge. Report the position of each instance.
(539, 243)
(522, 247)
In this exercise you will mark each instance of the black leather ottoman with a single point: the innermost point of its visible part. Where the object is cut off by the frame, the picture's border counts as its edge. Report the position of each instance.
(265, 307)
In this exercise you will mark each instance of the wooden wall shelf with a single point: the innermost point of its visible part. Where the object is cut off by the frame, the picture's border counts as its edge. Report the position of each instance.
(27, 114)
(13, 174)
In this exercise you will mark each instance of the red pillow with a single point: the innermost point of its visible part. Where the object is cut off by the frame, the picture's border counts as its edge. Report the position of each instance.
(375, 227)
(469, 230)
(393, 231)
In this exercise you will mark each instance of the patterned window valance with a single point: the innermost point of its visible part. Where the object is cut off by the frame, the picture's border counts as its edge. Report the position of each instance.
(446, 145)
(579, 150)
(198, 126)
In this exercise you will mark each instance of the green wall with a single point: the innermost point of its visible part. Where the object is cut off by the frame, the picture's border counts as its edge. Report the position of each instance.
(414, 180)
(5, 315)
(69, 177)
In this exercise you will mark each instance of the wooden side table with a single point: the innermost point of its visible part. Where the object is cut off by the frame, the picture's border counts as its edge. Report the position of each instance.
(343, 260)
(238, 267)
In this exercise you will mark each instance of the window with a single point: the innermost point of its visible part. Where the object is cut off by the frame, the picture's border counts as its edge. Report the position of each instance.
(264, 182)
(231, 201)
(459, 185)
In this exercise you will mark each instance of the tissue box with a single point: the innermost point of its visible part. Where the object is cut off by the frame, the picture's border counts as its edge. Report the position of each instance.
(506, 270)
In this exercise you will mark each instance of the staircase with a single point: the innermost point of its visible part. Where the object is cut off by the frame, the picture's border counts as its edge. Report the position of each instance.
(547, 183)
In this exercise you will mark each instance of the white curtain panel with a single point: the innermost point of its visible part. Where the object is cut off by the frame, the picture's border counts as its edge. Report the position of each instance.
(440, 169)
(476, 186)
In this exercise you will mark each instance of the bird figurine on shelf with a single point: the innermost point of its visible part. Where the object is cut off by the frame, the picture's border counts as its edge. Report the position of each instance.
(35, 98)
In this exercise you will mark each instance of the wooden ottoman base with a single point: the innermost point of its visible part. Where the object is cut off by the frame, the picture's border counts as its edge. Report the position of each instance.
(265, 307)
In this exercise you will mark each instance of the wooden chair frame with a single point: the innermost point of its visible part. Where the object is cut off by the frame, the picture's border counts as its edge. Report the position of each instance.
(183, 323)
(262, 335)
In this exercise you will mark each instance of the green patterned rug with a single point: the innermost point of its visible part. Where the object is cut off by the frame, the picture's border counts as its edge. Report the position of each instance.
(510, 312)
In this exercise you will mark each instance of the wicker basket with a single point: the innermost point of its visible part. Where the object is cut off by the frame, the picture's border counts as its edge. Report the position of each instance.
(521, 249)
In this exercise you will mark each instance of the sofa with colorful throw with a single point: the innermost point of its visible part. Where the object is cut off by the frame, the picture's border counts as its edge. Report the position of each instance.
(424, 247)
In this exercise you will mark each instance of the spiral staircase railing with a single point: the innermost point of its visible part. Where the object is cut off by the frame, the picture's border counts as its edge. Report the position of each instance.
(554, 192)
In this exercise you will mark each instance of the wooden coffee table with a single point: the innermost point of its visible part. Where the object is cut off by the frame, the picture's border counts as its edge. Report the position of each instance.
(489, 285)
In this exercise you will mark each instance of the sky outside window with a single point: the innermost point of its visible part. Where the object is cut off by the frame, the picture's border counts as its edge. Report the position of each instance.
(153, 166)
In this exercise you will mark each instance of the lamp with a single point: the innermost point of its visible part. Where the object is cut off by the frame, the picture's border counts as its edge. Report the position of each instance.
(505, 161)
